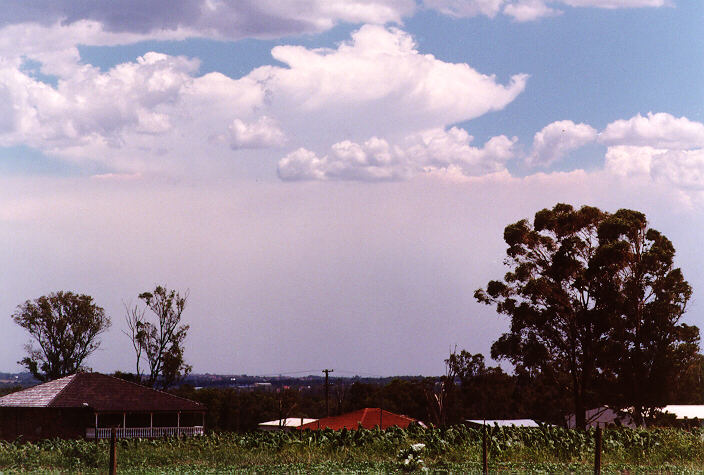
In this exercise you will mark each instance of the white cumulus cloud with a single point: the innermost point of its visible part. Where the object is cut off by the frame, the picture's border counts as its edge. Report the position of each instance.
(555, 140)
(262, 133)
(380, 82)
(655, 149)
(433, 151)
(529, 10)
(132, 102)
(630, 161)
(660, 130)
(148, 114)
(680, 169)
(93, 104)
(658, 147)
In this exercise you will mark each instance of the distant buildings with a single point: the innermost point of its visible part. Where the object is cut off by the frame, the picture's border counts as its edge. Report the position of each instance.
(605, 416)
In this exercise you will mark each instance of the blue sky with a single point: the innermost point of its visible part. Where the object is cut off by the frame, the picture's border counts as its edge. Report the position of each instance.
(336, 171)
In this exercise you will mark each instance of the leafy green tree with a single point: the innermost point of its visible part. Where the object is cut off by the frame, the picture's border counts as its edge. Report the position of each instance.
(161, 342)
(65, 326)
(557, 327)
(595, 305)
(648, 348)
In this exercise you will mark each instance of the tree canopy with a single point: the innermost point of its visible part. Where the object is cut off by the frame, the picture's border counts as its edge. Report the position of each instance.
(647, 347)
(65, 326)
(595, 304)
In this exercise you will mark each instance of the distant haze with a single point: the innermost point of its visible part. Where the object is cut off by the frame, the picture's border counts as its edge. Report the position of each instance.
(331, 183)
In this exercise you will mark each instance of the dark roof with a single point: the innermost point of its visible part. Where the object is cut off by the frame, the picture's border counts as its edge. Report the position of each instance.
(368, 418)
(101, 393)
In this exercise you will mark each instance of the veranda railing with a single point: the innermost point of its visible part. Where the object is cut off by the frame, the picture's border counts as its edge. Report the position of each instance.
(143, 432)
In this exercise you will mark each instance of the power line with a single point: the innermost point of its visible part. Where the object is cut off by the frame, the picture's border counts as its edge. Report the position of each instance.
(287, 373)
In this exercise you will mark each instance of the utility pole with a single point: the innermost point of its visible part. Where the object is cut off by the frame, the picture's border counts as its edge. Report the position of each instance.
(327, 401)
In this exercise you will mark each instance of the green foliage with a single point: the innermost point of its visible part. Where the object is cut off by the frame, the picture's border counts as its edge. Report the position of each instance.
(647, 348)
(65, 327)
(456, 448)
(595, 304)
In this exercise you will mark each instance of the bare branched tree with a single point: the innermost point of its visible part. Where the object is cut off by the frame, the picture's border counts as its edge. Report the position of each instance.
(340, 391)
(437, 394)
(134, 317)
(161, 342)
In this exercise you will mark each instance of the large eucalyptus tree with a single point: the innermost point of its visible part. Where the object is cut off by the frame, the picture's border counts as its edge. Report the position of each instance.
(595, 304)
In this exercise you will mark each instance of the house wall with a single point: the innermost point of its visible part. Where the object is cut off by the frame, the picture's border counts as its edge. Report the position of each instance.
(29, 423)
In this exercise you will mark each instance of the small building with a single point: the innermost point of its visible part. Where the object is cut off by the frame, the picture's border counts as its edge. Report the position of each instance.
(368, 418)
(503, 422)
(602, 416)
(90, 404)
(289, 423)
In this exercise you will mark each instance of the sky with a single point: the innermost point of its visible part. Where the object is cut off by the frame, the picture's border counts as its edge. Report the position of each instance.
(329, 180)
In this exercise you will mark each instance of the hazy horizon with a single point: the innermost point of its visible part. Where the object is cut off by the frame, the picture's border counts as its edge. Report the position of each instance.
(330, 180)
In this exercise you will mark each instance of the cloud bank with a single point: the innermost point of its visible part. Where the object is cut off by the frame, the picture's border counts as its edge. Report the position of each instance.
(64, 23)
(655, 148)
(219, 19)
(157, 112)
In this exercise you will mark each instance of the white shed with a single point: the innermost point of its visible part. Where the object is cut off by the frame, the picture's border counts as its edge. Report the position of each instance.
(289, 423)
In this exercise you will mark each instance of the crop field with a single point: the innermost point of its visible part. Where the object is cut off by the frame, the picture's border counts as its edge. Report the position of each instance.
(457, 449)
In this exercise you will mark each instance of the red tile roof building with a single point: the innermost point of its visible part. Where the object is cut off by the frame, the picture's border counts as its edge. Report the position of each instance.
(89, 404)
(367, 418)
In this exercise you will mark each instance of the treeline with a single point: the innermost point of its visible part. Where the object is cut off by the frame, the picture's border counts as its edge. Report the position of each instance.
(471, 390)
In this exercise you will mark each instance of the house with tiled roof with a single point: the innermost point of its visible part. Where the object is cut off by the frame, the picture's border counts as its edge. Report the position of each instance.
(367, 418)
(90, 404)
